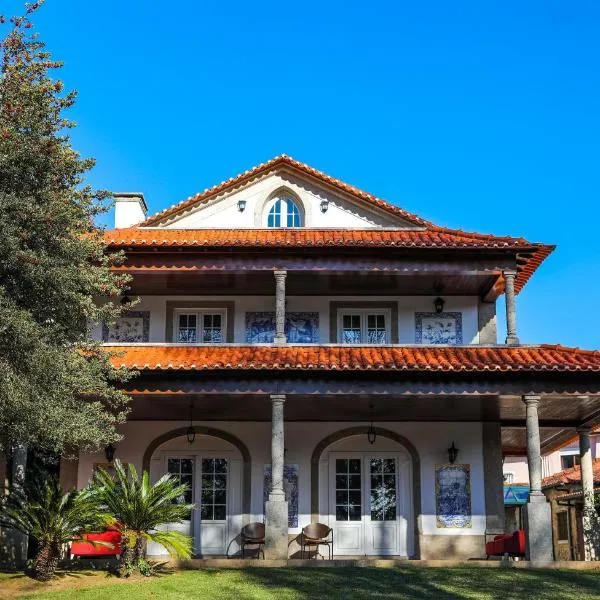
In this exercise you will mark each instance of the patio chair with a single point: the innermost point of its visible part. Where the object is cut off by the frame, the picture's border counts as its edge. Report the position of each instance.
(315, 535)
(253, 534)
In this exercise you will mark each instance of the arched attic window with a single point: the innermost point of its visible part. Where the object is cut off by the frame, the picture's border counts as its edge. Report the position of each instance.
(283, 211)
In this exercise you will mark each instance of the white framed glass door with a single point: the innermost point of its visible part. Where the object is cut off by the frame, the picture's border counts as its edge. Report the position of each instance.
(365, 506)
(183, 469)
(208, 481)
(346, 504)
(381, 495)
(210, 531)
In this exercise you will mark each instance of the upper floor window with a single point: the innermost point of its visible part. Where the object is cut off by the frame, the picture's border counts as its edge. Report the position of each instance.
(283, 212)
(206, 326)
(569, 460)
(509, 477)
(364, 326)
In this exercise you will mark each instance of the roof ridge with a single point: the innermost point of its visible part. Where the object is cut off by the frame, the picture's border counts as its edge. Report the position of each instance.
(287, 160)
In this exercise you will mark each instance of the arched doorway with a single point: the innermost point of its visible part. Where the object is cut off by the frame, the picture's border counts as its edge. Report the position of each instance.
(368, 493)
(216, 468)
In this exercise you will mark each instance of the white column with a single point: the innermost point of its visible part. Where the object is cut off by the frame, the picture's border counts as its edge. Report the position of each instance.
(276, 510)
(589, 517)
(511, 311)
(280, 307)
(538, 523)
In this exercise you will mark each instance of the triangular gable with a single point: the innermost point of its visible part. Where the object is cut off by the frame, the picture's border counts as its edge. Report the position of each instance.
(398, 216)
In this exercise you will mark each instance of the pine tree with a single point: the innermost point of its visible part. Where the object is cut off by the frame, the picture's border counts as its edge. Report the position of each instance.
(58, 390)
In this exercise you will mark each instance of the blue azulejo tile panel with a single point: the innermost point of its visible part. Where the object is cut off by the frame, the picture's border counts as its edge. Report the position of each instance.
(453, 496)
(290, 487)
(130, 327)
(300, 327)
(438, 328)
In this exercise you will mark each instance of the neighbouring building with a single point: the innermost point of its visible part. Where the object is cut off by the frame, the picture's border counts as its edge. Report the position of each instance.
(563, 490)
(309, 352)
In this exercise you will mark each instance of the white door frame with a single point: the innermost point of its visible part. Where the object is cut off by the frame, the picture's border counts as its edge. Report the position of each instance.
(404, 508)
(232, 524)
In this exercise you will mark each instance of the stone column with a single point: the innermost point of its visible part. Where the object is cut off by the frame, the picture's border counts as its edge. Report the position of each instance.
(67, 475)
(538, 522)
(280, 338)
(589, 517)
(13, 544)
(276, 517)
(493, 480)
(511, 313)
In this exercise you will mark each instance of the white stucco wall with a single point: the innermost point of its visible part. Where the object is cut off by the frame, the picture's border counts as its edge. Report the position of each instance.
(431, 441)
(407, 307)
(222, 211)
(551, 462)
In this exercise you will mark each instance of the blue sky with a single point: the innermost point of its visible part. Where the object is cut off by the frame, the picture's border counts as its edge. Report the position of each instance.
(478, 115)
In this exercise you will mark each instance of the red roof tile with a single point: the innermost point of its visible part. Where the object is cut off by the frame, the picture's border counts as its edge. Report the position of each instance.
(357, 358)
(433, 238)
(282, 161)
(570, 476)
(575, 495)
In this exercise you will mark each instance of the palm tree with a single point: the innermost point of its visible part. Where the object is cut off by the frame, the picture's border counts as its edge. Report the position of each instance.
(137, 509)
(53, 518)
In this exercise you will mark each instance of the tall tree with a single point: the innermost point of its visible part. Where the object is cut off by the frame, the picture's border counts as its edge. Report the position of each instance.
(57, 389)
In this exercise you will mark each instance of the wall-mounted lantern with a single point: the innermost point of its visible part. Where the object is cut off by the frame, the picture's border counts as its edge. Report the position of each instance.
(241, 205)
(371, 433)
(439, 303)
(452, 453)
(190, 434)
(109, 452)
(324, 205)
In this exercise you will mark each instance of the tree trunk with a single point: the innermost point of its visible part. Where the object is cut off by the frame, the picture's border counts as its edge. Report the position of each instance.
(138, 550)
(46, 563)
(125, 566)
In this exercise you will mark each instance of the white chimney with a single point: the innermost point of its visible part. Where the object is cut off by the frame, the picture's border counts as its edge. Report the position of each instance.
(130, 209)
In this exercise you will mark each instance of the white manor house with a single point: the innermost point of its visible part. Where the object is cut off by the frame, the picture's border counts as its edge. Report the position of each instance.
(308, 352)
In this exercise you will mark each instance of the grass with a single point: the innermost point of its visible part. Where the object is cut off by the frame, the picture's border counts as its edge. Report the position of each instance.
(303, 584)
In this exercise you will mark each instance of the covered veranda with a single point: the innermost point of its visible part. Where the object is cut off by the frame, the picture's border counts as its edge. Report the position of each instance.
(527, 399)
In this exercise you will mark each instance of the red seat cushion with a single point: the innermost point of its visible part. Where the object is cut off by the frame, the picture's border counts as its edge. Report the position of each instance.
(84, 548)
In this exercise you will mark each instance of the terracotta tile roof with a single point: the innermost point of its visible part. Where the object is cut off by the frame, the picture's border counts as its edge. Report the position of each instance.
(356, 358)
(570, 476)
(533, 254)
(575, 495)
(281, 161)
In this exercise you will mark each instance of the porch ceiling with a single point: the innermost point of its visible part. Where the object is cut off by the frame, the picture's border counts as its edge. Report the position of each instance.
(559, 415)
(310, 283)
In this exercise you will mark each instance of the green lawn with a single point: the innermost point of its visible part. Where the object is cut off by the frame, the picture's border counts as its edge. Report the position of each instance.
(327, 583)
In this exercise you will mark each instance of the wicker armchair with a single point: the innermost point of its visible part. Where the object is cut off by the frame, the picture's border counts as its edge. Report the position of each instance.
(315, 535)
(253, 534)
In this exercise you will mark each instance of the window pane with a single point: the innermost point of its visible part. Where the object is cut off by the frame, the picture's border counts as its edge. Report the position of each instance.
(274, 219)
(187, 328)
(383, 489)
(214, 489)
(293, 214)
(348, 495)
(212, 329)
(376, 333)
(354, 465)
(351, 330)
